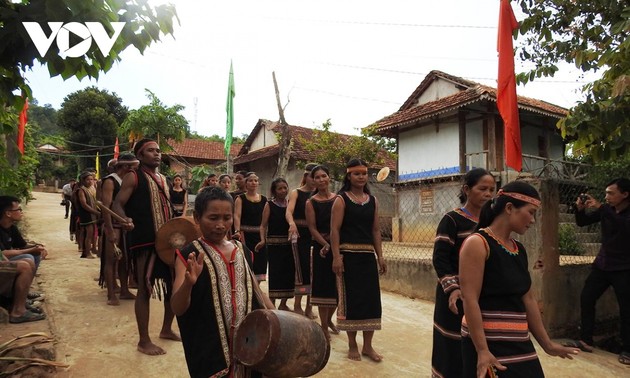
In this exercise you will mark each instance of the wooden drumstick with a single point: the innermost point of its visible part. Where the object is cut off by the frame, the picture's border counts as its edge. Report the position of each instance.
(110, 212)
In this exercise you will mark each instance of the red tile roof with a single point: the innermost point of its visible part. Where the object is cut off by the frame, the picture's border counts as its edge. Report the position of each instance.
(409, 114)
(201, 149)
(298, 151)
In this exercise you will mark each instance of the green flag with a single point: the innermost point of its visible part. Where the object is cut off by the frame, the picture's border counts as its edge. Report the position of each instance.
(229, 108)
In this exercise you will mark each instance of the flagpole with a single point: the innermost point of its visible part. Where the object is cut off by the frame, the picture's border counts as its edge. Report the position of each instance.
(229, 123)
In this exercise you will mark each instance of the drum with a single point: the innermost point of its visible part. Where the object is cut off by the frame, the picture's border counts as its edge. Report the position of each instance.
(281, 344)
(175, 234)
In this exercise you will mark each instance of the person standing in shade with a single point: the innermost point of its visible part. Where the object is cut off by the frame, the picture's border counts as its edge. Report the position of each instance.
(113, 256)
(477, 189)
(179, 196)
(225, 182)
(88, 215)
(66, 195)
(239, 182)
(143, 200)
(298, 229)
(274, 235)
(357, 260)
(248, 210)
(612, 264)
(323, 279)
(500, 309)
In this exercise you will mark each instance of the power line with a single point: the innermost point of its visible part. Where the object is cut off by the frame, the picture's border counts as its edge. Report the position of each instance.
(384, 23)
(346, 96)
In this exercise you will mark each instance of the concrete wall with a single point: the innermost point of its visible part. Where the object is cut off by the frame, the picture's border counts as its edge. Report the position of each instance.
(429, 147)
(556, 287)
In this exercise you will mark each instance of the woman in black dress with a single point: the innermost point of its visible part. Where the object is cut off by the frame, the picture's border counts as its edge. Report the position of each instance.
(499, 306)
(301, 236)
(274, 234)
(477, 189)
(179, 196)
(323, 279)
(248, 210)
(357, 260)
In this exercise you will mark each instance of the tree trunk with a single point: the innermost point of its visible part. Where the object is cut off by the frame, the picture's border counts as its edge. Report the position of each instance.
(284, 151)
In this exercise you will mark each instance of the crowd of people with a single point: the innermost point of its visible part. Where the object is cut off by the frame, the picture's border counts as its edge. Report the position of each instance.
(311, 243)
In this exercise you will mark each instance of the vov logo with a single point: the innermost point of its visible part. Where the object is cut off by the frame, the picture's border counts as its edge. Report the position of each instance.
(87, 31)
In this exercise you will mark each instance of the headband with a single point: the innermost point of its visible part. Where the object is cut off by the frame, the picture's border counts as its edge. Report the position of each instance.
(357, 168)
(145, 146)
(519, 196)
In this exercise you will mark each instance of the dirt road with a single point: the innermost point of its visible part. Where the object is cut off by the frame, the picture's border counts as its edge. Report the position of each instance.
(99, 340)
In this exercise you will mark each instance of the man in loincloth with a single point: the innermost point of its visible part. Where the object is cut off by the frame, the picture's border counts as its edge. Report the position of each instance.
(114, 246)
(144, 200)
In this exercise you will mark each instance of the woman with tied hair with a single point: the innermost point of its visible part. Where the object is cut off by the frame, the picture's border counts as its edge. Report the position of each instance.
(357, 260)
(499, 305)
(323, 280)
(225, 182)
(298, 229)
(477, 188)
(248, 211)
(179, 197)
(274, 234)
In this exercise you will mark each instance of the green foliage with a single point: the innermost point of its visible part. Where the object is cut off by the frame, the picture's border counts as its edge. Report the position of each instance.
(90, 119)
(567, 241)
(144, 26)
(198, 173)
(593, 35)
(45, 116)
(156, 121)
(603, 172)
(334, 150)
(218, 138)
(17, 179)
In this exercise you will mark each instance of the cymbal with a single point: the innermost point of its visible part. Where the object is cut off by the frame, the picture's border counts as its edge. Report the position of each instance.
(175, 234)
(382, 174)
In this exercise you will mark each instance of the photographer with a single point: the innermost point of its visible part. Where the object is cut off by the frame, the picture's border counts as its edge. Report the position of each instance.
(612, 264)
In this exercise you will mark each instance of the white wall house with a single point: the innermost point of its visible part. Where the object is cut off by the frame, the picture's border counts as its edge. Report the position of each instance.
(449, 125)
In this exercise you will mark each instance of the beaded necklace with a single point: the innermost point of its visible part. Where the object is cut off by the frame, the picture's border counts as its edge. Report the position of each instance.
(356, 200)
(512, 252)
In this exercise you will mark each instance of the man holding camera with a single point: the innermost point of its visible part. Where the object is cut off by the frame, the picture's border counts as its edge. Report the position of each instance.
(612, 264)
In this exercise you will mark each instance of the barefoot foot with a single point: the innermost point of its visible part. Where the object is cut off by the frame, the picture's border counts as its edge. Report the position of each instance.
(372, 355)
(333, 329)
(354, 355)
(150, 349)
(298, 311)
(170, 335)
(113, 302)
(284, 308)
(127, 295)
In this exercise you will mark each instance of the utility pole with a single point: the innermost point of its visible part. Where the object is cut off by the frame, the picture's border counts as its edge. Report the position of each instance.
(284, 152)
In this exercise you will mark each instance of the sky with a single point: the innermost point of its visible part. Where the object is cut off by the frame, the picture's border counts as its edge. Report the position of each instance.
(353, 62)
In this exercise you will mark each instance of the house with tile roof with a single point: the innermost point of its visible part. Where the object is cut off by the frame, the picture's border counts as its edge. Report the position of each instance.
(192, 152)
(446, 127)
(453, 125)
(259, 153)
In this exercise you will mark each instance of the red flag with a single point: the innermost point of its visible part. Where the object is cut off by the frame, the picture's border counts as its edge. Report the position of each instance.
(506, 87)
(116, 149)
(22, 126)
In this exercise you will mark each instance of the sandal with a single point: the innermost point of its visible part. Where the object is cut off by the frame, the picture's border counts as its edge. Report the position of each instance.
(33, 295)
(28, 316)
(581, 345)
(624, 358)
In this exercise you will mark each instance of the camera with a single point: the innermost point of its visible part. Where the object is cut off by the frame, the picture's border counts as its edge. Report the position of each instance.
(583, 198)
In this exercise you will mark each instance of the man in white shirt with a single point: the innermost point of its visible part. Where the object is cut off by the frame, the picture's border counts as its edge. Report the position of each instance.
(66, 195)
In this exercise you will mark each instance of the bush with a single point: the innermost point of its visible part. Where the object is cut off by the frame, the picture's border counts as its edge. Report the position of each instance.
(567, 241)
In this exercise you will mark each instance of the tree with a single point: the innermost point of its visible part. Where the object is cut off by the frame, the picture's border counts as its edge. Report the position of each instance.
(45, 116)
(144, 26)
(593, 35)
(368, 147)
(156, 121)
(90, 119)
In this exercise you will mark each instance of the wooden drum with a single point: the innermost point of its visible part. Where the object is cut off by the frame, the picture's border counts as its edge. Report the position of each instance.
(175, 234)
(281, 344)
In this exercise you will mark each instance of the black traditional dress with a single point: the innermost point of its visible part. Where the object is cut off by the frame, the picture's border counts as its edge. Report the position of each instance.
(505, 280)
(281, 264)
(454, 227)
(323, 279)
(358, 286)
(303, 263)
(177, 199)
(251, 217)
(219, 301)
